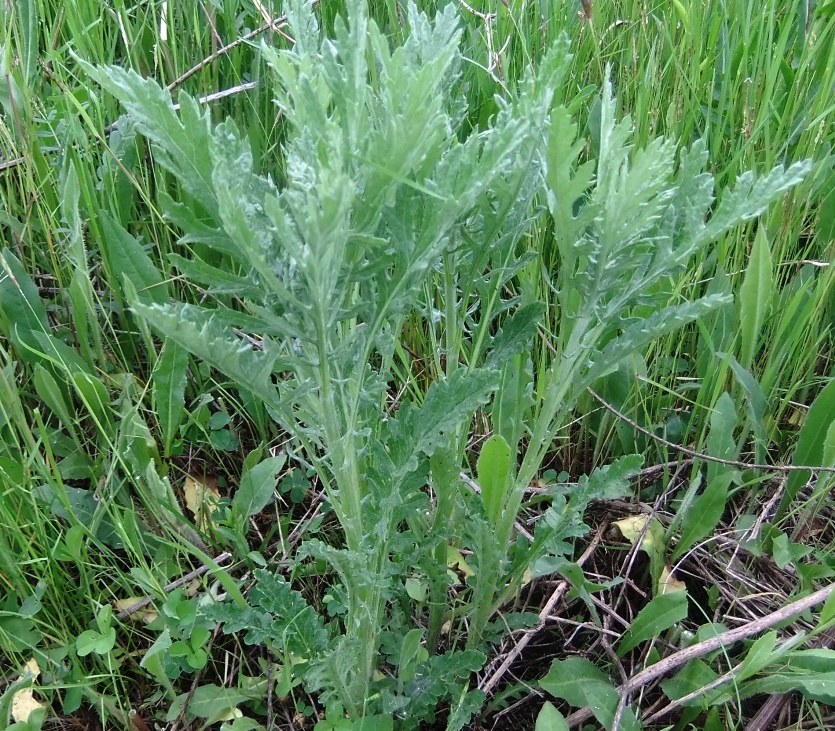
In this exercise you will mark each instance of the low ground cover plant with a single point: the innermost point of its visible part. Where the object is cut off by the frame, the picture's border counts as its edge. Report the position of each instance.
(386, 211)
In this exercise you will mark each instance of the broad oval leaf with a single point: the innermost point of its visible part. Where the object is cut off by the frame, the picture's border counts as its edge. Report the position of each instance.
(567, 679)
(257, 486)
(550, 719)
(493, 468)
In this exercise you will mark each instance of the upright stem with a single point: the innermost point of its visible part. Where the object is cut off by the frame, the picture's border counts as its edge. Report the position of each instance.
(451, 315)
(365, 603)
(445, 466)
(445, 480)
(343, 453)
(561, 382)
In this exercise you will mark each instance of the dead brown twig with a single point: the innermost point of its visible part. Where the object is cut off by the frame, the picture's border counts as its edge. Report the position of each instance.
(144, 602)
(555, 598)
(725, 639)
(700, 455)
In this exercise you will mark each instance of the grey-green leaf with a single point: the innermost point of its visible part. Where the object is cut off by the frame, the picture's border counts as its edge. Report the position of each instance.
(182, 141)
(197, 331)
(448, 403)
(513, 401)
(642, 333)
(751, 196)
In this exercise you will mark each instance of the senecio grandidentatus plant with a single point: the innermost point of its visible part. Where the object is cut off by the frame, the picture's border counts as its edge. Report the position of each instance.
(384, 206)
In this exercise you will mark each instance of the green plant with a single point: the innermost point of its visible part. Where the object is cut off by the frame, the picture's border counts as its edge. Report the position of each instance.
(385, 207)
(377, 188)
(100, 640)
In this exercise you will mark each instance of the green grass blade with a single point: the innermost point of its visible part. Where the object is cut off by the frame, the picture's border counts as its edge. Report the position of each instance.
(810, 443)
(27, 14)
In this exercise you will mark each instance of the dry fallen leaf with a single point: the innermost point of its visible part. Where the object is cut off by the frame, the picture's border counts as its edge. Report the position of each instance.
(649, 531)
(668, 583)
(23, 702)
(146, 614)
(643, 527)
(202, 497)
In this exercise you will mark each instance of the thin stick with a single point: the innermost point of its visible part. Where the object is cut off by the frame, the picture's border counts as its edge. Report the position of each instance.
(552, 602)
(8, 164)
(136, 606)
(275, 24)
(699, 455)
(223, 51)
(725, 639)
(672, 705)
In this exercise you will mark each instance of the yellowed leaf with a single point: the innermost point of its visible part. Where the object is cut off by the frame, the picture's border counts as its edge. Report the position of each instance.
(202, 497)
(632, 528)
(454, 560)
(146, 614)
(668, 583)
(32, 667)
(647, 533)
(796, 417)
(643, 527)
(24, 702)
